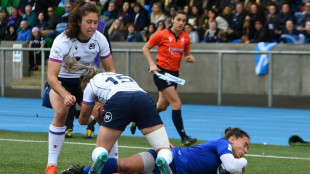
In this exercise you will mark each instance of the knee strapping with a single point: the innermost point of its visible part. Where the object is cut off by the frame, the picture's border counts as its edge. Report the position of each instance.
(158, 138)
(148, 162)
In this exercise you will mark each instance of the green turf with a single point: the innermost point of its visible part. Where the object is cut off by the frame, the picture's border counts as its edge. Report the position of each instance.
(31, 157)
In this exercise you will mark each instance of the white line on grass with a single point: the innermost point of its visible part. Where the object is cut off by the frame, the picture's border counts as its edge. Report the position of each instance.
(147, 148)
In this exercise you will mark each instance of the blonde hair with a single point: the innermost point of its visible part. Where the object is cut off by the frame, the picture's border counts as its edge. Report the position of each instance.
(72, 65)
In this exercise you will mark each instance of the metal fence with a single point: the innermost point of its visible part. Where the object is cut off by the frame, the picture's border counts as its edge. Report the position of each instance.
(220, 54)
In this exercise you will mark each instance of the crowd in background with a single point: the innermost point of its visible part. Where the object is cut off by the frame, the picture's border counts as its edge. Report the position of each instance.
(236, 21)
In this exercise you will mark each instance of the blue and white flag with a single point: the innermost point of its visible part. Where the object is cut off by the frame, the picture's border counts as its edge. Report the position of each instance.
(294, 38)
(262, 60)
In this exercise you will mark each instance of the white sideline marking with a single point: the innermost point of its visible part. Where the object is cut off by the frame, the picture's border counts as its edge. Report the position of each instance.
(147, 148)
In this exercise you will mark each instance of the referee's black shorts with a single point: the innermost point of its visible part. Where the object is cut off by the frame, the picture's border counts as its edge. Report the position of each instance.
(163, 84)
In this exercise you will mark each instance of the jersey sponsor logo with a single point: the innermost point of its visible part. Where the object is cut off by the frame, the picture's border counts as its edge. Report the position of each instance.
(179, 152)
(175, 51)
(91, 46)
(182, 40)
(170, 39)
(107, 117)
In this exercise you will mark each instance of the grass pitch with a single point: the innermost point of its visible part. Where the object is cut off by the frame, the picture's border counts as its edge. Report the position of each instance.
(24, 152)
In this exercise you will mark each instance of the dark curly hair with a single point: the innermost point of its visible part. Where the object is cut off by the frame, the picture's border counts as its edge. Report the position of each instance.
(80, 9)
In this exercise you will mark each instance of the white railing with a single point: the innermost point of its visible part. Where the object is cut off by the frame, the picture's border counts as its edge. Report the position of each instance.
(128, 51)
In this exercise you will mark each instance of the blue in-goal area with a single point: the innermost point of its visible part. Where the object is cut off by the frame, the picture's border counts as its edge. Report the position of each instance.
(205, 122)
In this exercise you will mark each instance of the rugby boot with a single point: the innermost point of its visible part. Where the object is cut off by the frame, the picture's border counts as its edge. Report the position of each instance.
(68, 133)
(163, 165)
(51, 169)
(133, 128)
(73, 170)
(188, 141)
(99, 163)
(89, 134)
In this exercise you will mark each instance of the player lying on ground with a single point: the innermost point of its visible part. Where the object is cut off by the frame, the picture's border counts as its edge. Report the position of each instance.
(124, 102)
(204, 158)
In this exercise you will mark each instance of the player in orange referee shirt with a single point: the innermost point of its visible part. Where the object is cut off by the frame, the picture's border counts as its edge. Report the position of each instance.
(172, 43)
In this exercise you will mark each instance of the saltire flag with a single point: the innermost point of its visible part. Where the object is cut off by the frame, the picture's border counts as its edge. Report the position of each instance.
(262, 60)
(294, 38)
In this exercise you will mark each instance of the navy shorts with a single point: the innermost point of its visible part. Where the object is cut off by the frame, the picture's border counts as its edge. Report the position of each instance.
(163, 84)
(72, 85)
(125, 107)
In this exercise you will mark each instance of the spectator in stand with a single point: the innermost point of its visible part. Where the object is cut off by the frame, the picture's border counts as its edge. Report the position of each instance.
(30, 16)
(24, 34)
(109, 15)
(205, 24)
(187, 10)
(306, 32)
(116, 31)
(260, 33)
(43, 5)
(36, 41)
(41, 21)
(214, 34)
(236, 24)
(303, 17)
(290, 28)
(11, 34)
(53, 20)
(61, 26)
(22, 4)
(193, 35)
(220, 21)
(282, 17)
(270, 22)
(194, 17)
(172, 11)
(157, 14)
(14, 19)
(124, 13)
(160, 26)
(257, 14)
(4, 16)
(132, 34)
(139, 17)
(246, 29)
(151, 29)
(224, 5)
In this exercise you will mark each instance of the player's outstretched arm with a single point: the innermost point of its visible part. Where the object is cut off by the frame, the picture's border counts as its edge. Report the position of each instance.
(233, 164)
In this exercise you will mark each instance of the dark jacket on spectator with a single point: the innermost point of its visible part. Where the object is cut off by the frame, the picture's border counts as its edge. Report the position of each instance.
(52, 22)
(15, 20)
(10, 36)
(236, 24)
(282, 18)
(42, 5)
(259, 35)
(3, 26)
(134, 37)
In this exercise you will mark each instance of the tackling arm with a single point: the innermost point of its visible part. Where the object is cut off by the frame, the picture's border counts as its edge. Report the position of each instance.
(233, 164)
(86, 110)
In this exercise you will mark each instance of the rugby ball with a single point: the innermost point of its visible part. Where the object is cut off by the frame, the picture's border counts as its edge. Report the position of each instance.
(221, 170)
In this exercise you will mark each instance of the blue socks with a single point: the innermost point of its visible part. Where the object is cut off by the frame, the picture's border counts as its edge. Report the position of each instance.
(109, 167)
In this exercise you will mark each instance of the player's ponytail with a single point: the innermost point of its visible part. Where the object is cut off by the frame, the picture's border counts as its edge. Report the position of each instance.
(72, 65)
(237, 132)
